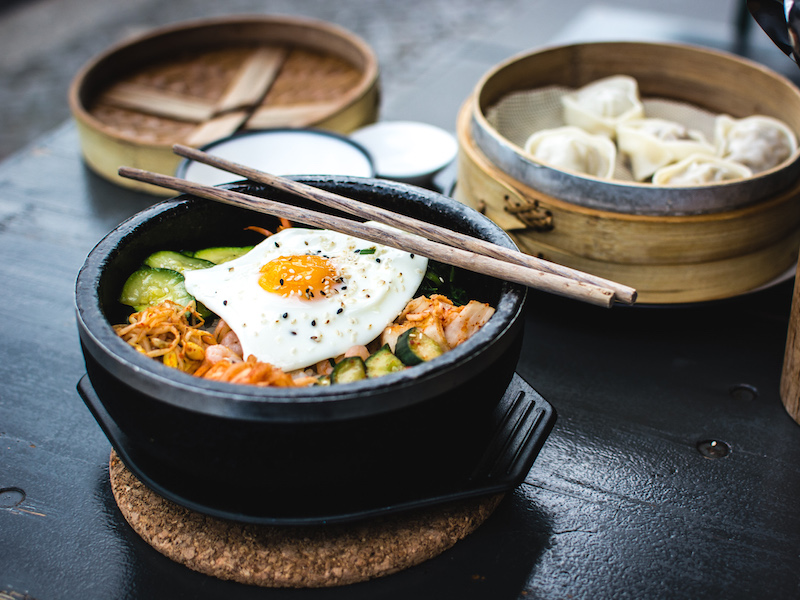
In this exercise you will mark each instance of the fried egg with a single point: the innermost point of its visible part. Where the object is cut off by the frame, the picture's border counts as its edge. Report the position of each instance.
(305, 295)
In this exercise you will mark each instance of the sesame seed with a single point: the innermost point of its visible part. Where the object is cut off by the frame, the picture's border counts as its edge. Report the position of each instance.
(314, 323)
(338, 312)
(224, 303)
(285, 315)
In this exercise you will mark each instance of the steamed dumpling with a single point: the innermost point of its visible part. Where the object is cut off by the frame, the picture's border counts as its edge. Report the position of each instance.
(652, 143)
(700, 169)
(603, 104)
(758, 142)
(574, 149)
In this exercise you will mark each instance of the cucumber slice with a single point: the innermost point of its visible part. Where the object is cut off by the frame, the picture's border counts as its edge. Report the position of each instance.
(349, 369)
(222, 254)
(167, 259)
(323, 380)
(414, 347)
(383, 362)
(148, 287)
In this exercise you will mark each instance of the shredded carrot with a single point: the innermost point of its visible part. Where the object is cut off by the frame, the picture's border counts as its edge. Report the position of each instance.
(285, 224)
(250, 371)
(261, 230)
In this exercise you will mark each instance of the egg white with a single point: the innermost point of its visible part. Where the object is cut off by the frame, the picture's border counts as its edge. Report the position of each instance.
(292, 332)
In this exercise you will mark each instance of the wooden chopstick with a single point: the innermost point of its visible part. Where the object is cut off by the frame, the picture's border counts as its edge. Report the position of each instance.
(394, 238)
(622, 293)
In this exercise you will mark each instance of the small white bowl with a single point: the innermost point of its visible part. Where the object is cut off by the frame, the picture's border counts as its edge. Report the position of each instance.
(407, 151)
(282, 152)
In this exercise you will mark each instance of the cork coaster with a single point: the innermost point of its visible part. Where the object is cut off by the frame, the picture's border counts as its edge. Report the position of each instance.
(296, 557)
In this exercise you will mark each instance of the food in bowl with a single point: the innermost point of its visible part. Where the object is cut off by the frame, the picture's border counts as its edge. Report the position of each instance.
(303, 307)
(651, 134)
(652, 143)
(575, 149)
(698, 169)
(600, 106)
(295, 454)
(758, 142)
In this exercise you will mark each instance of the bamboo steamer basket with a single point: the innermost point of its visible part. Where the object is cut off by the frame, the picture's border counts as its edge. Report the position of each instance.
(744, 234)
(198, 82)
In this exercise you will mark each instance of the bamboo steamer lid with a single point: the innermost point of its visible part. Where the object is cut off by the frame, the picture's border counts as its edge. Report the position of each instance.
(744, 236)
(198, 82)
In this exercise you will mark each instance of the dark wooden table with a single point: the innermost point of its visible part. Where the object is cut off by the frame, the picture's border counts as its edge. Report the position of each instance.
(673, 470)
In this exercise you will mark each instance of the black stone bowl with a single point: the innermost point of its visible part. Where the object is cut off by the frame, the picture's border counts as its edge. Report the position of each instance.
(302, 454)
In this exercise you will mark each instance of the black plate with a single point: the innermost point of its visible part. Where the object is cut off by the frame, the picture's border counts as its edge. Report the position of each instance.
(522, 421)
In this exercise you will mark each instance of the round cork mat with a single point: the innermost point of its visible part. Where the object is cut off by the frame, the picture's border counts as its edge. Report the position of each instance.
(296, 557)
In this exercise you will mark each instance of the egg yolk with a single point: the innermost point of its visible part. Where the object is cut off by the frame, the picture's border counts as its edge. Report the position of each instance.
(309, 277)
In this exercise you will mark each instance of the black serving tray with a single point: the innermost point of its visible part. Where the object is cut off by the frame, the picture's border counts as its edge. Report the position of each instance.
(521, 422)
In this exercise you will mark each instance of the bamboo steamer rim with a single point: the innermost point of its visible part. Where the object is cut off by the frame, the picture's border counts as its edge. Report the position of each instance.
(659, 280)
(496, 146)
(346, 39)
(477, 156)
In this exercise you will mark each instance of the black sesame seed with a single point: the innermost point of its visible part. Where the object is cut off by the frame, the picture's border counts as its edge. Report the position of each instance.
(285, 315)
(293, 332)
(281, 281)
(340, 311)
(314, 323)
(224, 303)
(277, 245)
(377, 260)
(412, 256)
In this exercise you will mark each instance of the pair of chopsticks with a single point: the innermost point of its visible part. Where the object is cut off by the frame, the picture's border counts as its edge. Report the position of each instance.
(434, 242)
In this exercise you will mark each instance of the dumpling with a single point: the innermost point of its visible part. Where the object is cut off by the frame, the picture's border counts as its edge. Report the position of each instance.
(574, 149)
(652, 143)
(758, 142)
(700, 169)
(601, 105)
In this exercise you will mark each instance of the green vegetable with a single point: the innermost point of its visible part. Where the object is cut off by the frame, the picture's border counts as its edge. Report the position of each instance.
(383, 362)
(441, 279)
(167, 259)
(414, 347)
(222, 254)
(349, 369)
(148, 287)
